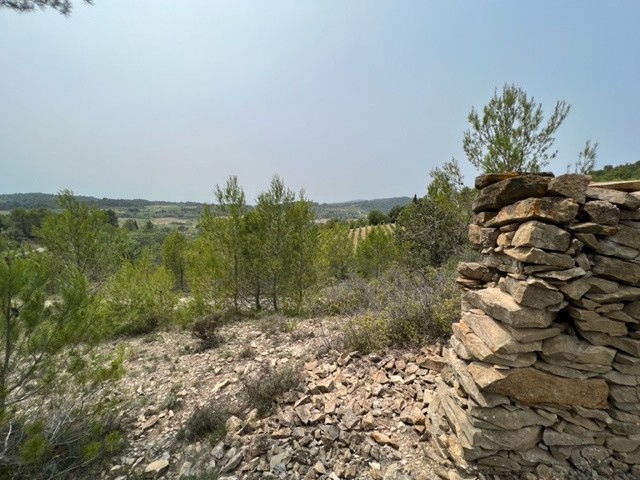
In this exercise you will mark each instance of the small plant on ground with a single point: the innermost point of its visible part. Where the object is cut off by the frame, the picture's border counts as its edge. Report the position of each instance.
(206, 422)
(263, 389)
(247, 352)
(206, 330)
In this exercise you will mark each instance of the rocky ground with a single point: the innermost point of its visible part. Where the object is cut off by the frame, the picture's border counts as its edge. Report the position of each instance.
(352, 417)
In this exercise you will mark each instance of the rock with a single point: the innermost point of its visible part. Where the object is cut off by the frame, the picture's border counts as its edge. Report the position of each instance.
(483, 237)
(571, 186)
(496, 336)
(383, 439)
(526, 335)
(233, 424)
(530, 295)
(613, 249)
(615, 269)
(562, 275)
(501, 306)
(601, 285)
(320, 468)
(552, 438)
(531, 386)
(571, 348)
(575, 289)
(624, 293)
(556, 210)
(621, 199)
(156, 467)
(540, 257)
(590, 321)
(633, 309)
(510, 190)
(475, 271)
(601, 212)
(510, 419)
(480, 351)
(541, 235)
(412, 415)
(233, 462)
(627, 236)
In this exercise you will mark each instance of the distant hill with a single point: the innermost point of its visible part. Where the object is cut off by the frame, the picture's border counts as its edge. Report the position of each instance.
(358, 208)
(627, 171)
(140, 208)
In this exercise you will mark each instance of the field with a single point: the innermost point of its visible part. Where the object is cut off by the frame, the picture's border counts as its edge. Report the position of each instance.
(359, 234)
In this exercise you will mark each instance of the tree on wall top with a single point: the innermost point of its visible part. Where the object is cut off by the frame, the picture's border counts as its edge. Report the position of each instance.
(62, 6)
(510, 134)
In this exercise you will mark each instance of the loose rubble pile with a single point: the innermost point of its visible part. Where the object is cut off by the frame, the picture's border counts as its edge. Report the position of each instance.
(543, 369)
(353, 417)
(357, 418)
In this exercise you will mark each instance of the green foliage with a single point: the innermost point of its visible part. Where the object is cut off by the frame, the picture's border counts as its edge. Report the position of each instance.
(376, 217)
(52, 418)
(228, 232)
(626, 171)
(400, 308)
(510, 134)
(33, 331)
(174, 257)
(336, 252)
(376, 252)
(58, 444)
(366, 333)
(394, 213)
(24, 223)
(139, 298)
(303, 246)
(586, 159)
(344, 297)
(263, 389)
(205, 266)
(82, 238)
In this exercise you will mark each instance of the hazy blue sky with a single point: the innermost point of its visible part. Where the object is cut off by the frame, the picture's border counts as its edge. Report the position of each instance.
(349, 99)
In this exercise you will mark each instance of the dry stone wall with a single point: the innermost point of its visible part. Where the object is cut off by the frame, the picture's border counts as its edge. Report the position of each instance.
(543, 367)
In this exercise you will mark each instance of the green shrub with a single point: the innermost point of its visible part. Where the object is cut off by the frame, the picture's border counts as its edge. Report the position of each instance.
(139, 299)
(366, 333)
(263, 389)
(58, 443)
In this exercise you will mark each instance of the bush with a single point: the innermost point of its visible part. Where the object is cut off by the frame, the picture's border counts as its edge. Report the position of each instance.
(366, 333)
(57, 443)
(402, 308)
(208, 421)
(206, 330)
(139, 299)
(262, 390)
(344, 298)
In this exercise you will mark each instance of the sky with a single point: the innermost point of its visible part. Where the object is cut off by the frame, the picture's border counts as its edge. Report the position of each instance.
(348, 99)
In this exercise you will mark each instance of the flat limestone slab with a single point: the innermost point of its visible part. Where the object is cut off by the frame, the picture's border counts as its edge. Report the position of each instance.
(531, 386)
(623, 186)
(501, 306)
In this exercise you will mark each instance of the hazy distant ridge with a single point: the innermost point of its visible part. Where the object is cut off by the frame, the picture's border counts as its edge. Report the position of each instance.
(342, 210)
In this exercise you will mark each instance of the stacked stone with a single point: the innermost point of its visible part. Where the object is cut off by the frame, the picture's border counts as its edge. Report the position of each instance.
(544, 365)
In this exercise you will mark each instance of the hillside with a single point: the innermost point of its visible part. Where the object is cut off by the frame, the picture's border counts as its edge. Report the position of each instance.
(145, 209)
(627, 171)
